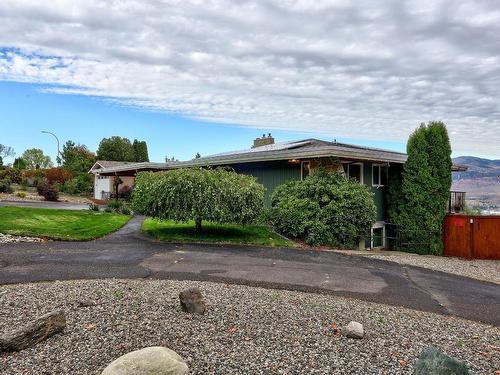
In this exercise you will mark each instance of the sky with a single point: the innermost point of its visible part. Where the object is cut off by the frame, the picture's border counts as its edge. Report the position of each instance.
(210, 76)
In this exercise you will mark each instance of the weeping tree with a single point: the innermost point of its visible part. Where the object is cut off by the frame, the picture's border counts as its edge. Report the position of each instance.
(417, 202)
(215, 195)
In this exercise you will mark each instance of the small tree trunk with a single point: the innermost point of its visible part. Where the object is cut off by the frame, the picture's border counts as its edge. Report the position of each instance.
(197, 223)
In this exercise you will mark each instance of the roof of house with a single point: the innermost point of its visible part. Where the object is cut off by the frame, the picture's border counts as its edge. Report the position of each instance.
(307, 148)
(303, 149)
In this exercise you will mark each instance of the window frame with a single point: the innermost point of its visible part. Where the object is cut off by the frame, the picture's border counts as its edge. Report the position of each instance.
(361, 171)
(302, 162)
(380, 179)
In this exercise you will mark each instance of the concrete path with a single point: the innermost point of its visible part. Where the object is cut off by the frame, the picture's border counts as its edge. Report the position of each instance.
(43, 204)
(129, 254)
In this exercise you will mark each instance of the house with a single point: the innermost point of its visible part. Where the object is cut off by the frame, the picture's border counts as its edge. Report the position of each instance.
(276, 163)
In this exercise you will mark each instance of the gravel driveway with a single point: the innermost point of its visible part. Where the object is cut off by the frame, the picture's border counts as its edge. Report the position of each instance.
(246, 330)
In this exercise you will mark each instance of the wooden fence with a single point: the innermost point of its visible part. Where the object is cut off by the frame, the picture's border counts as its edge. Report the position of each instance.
(473, 237)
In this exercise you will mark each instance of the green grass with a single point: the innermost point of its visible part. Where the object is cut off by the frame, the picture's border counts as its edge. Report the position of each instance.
(59, 224)
(215, 233)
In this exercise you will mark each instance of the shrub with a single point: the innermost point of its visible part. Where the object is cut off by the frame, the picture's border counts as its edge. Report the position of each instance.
(324, 209)
(125, 210)
(93, 207)
(215, 195)
(48, 191)
(115, 204)
(81, 184)
(14, 175)
(125, 192)
(58, 175)
(21, 194)
(5, 186)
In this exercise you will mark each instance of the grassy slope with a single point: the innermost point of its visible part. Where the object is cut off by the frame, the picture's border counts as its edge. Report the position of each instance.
(219, 233)
(58, 224)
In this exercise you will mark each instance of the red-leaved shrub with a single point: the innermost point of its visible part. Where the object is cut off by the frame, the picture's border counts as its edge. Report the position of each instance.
(48, 191)
(59, 175)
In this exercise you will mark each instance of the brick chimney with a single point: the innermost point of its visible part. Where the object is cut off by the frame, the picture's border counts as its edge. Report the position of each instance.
(263, 141)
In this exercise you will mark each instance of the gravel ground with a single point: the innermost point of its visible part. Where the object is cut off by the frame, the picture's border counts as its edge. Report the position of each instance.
(246, 330)
(7, 238)
(480, 269)
(30, 197)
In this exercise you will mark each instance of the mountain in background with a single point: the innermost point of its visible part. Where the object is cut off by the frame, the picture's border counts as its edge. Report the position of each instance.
(481, 182)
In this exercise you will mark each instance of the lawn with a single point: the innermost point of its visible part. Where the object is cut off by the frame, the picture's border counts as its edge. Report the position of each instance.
(59, 224)
(216, 233)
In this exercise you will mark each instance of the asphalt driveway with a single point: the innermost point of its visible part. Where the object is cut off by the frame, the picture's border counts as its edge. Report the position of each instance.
(129, 254)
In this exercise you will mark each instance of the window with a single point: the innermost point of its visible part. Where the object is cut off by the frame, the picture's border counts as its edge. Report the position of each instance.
(378, 239)
(355, 170)
(305, 169)
(379, 175)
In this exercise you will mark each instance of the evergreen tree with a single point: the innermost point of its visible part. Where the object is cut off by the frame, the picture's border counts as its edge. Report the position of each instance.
(77, 158)
(140, 151)
(418, 204)
(116, 148)
(19, 164)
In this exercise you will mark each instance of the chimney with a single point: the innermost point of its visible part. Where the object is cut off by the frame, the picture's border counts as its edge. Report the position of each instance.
(264, 141)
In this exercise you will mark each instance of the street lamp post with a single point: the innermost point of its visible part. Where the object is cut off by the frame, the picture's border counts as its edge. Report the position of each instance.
(57, 139)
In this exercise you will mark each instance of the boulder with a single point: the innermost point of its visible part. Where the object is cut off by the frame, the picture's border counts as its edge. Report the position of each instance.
(155, 360)
(86, 302)
(192, 301)
(34, 332)
(432, 362)
(353, 330)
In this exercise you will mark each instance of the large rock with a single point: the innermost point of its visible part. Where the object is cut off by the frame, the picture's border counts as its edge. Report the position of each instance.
(34, 332)
(433, 362)
(155, 360)
(192, 301)
(353, 330)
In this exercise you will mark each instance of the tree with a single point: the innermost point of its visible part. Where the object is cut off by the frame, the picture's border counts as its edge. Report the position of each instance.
(5, 152)
(197, 156)
(20, 164)
(35, 159)
(424, 190)
(115, 148)
(215, 195)
(324, 209)
(140, 151)
(77, 158)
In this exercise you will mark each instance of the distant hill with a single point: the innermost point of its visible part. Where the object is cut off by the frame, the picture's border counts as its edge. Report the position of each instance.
(481, 182)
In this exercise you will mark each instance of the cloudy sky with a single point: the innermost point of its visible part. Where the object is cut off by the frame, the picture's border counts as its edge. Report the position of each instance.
(370, 70)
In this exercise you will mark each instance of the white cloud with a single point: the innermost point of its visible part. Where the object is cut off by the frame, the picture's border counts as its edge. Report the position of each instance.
(351, 69)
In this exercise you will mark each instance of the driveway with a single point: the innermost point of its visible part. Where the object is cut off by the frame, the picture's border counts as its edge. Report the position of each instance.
(129, 254)
(43, 204)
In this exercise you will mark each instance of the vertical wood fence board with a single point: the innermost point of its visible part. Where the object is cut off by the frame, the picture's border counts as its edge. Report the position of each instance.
(472, 236)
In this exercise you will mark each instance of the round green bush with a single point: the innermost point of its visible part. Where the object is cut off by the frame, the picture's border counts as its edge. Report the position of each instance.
(324, 209)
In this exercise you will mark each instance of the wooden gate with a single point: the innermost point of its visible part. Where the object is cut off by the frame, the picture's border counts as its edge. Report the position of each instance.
(473, 237)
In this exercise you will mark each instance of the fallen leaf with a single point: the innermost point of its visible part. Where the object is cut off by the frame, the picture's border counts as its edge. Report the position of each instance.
(89, 326)
(232, 330)
(402, 362)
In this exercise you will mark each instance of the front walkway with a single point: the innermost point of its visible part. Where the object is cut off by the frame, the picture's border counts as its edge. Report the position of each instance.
(129, 254)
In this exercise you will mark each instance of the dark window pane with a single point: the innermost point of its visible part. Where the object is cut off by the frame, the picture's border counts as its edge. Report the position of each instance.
(305, 170)
(376, 175)
(384, 177)
(355, 171)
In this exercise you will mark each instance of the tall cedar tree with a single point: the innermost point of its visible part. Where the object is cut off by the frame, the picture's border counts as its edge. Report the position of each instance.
(418, 203)
(140, 151)
(116, 148)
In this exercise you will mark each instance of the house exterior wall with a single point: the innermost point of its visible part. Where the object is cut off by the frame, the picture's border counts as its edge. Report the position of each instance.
(270, 174)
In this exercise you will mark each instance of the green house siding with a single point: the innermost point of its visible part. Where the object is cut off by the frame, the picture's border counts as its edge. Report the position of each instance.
(378, 192)
(270, 174)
